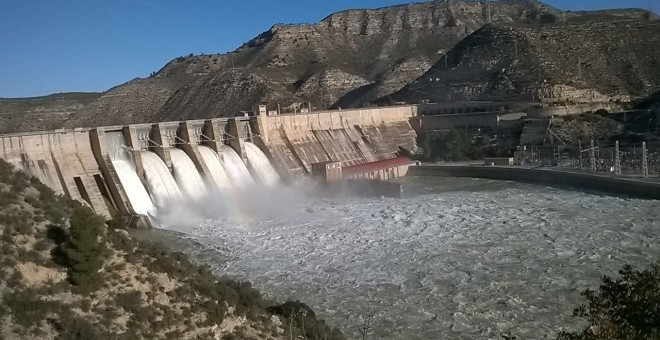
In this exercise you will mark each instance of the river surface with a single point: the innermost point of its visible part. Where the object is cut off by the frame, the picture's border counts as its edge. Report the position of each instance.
(456, 258)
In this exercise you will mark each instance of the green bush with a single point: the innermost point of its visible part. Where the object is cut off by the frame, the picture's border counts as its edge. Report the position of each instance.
(73, 327)
(452, 145)
(83, 250)
(26, 307)
(302, 318)
(625, 308)
(130, 301)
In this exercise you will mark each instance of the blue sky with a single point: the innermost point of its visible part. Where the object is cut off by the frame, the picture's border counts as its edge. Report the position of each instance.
(51, 46)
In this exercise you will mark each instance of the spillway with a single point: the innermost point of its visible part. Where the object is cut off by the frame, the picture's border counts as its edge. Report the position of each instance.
(161, 184)
(260, 165)
(237, 172)
(186, 174)
(138, 196)
(215, 166)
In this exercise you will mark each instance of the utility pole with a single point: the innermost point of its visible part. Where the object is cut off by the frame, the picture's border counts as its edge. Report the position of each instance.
(617, 159)
(592, 157)
(446, 63)
(580, 149)
(645, 166)
(515, 44)
(580, 67)
(231, 59)
(489, 17)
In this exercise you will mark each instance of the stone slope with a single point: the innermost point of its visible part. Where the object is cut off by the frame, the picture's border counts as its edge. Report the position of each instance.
(563, 62)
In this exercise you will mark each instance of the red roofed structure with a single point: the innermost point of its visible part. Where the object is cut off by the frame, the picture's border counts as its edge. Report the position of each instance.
(383, 170)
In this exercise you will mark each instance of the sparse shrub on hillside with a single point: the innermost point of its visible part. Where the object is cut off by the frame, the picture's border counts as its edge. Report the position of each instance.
(27, 308)
(300, 320)
(83, 250)
(625, 308)
(74, 327)
(452, 145)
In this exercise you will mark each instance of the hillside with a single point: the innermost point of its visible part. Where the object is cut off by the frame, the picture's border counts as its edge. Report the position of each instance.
(66, 275)
(598, 60)
(347, 59)
(42, 113)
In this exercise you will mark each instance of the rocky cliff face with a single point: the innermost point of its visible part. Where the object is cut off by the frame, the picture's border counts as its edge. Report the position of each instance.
(353, 58)
(348, 59)
(565, 62)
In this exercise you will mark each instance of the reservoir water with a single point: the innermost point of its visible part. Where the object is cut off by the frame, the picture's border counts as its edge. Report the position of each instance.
(456, 258)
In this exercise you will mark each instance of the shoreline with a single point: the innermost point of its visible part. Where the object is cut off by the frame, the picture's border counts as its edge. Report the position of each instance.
(592, 183)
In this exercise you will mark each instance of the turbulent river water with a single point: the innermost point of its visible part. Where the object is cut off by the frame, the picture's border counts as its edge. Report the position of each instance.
(455, 259)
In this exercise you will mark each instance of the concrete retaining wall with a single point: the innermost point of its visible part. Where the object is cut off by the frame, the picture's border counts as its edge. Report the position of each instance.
(588, 182)
(64, 161)
(355, 136)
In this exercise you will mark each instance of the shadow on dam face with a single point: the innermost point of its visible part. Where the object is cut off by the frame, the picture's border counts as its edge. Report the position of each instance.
(79, 162)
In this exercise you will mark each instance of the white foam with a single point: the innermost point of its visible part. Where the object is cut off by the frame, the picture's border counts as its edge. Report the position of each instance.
(162, 186)
(186, 175)
(237, 172)
(137, 194)
(215, 166)
(260, 165)
(472, 263)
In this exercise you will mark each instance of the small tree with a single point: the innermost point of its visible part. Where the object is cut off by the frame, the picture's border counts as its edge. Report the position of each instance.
(626, 308)
(84, 251)
(366, 322)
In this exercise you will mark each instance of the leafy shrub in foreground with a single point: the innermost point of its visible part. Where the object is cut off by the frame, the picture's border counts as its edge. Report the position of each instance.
(625, 308)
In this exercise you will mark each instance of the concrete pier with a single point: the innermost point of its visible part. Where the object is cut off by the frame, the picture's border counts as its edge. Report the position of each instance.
(190, 133)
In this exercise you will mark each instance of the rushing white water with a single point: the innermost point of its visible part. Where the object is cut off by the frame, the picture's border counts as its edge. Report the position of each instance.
(137, 194)
(215, 166)
(237, 172)
(186, 174)
(456, 259)
(162, 185)
(260, 165)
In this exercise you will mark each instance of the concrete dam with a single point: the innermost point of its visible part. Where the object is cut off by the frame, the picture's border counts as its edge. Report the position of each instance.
(133, 170)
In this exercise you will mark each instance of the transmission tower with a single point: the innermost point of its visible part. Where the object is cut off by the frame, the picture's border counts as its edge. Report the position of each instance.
(617, 159)
(490, 19)
(645, 166)
(580, 149)
(592, 156)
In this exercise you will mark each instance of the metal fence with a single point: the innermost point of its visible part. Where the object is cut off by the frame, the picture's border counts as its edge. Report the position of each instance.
(632, 159)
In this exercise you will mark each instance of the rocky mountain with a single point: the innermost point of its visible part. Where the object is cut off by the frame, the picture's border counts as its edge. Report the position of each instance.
(366, 56)
(349, 58)
(601, 59)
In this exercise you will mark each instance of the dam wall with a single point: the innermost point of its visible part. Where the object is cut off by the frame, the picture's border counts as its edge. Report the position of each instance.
(588, 182)
(351, 137)
(64, 161)
(80, 163)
